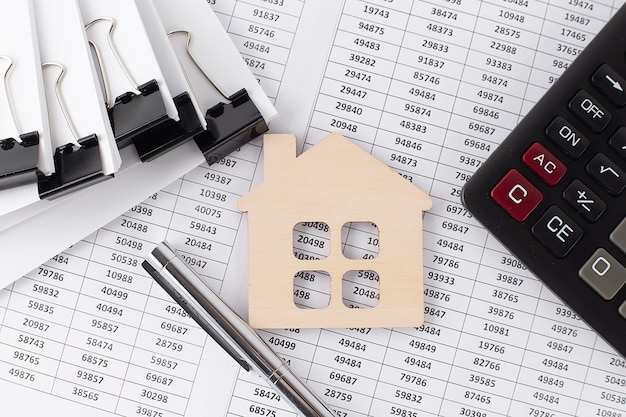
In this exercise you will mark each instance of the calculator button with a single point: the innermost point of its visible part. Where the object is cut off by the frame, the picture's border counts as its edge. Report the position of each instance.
(611, 84)
(618, 236)
(585, 201)
(516, 195)
(567, 137)
(544, 164)
(618, 142)
(603, 273)
(607, 173)
(556, 231)
(592, 113)
(622, 309)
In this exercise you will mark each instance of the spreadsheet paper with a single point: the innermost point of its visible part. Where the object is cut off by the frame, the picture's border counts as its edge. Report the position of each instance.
(428, 87)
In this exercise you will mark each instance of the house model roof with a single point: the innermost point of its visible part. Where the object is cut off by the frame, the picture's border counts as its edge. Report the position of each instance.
(334, 165)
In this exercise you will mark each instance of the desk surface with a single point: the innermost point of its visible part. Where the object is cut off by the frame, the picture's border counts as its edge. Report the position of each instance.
(429, 88)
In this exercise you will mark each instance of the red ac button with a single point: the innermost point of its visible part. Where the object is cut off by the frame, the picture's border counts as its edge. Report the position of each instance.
(544, 164)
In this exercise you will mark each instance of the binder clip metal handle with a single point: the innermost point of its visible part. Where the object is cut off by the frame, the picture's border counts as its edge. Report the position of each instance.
(229, 125)
(18, 158)
(142, 119)
(75, 166)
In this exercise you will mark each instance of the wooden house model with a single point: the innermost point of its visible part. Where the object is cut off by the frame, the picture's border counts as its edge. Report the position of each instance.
(335, 182)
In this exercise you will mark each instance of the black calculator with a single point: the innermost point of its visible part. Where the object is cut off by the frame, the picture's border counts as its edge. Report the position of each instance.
(554, 191)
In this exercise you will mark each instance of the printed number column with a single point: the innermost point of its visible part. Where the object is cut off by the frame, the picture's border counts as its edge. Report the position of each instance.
(252, 396)
(410, 139)
(204, 229)
(605, 383)
(205, 224)
(164, 360)
(263, 32)
(109, 307)
(485, 109)
(37, 319)
(347, 362)
(357, 76)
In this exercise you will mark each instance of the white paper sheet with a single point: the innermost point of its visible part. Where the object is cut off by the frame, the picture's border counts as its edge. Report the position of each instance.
(495, 341)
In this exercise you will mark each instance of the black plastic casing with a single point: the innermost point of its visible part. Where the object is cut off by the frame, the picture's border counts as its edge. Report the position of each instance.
(561, 275)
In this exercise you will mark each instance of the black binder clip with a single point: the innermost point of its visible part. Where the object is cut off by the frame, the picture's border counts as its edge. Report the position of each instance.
(143, 120)
(18, 160)
(229, 126)
(76, 167)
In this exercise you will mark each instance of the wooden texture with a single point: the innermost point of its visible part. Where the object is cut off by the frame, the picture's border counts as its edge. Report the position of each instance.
(334, 182)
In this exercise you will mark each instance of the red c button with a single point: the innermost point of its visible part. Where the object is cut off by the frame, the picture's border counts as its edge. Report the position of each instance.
(516, 195)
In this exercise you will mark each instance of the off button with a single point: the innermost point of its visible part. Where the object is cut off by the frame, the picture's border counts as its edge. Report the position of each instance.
(592, 113)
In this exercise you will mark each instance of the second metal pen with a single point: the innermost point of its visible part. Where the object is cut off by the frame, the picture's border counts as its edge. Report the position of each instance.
(229, 330)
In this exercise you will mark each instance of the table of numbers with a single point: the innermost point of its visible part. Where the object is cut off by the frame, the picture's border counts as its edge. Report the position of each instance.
(430, 88)
(263, 32)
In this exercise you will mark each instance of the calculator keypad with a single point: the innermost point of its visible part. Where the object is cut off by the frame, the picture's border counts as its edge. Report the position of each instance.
(555, 230)
(567, 224)
(618, 236)
(617, 142)
(585, 201)
(607, 174)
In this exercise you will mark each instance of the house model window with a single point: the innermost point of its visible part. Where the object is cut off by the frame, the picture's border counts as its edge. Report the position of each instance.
(333, 183)
(359, 240)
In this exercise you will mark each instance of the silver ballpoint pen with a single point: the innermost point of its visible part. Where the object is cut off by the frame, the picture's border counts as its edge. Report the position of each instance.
(229, 330)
